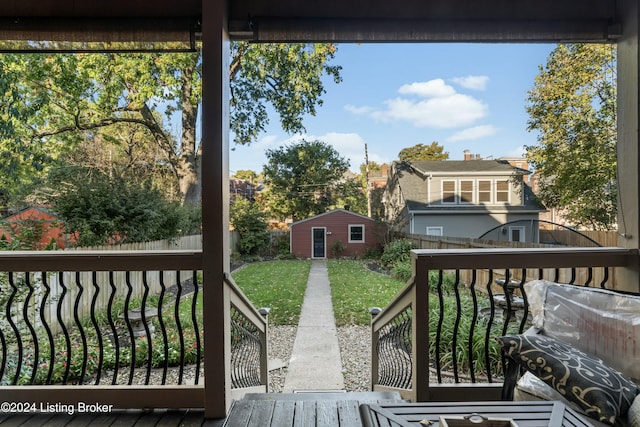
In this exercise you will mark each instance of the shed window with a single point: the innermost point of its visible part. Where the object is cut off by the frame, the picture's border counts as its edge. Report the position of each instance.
(356, 233)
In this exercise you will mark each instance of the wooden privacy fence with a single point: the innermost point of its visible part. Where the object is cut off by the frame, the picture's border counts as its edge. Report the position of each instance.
(549, 239)
(421, 241)
(582, 275)
(77, 300)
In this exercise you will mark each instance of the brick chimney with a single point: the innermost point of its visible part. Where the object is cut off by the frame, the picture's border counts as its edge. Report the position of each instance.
(468, 155)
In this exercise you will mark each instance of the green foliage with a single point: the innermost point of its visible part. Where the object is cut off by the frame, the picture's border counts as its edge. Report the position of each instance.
(350, 194)
(402, 270)
(418, 152)
(449, 312)
(397, 252)
(285, 76)
(572, 107)
(337, 248)
(302, 179)
(51, 103)
(279, 285)
(251, 224)
(101, 209)
(21, 162)
(25, 235)
(282, 243)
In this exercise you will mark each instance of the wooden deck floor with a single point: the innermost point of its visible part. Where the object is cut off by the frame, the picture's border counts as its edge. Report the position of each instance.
(169, 418)
(255, 410)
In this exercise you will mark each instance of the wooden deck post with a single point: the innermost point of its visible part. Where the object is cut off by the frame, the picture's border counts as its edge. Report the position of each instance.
(215, 206)
(420, 330)
(628, 278)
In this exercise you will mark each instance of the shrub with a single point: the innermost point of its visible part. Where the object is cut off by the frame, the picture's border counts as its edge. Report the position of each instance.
(251, 223)
(396, 252)
(402, 271)
(337, 248)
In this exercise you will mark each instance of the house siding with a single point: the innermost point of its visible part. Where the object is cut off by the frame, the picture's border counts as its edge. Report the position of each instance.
(471, 204)
(432, 191)
(469, 225)
(336, 225)
(52, 228)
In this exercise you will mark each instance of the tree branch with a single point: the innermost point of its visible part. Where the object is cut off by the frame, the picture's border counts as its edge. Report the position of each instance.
(235, 66)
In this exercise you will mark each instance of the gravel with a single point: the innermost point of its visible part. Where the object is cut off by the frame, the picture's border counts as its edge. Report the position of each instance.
(281, 339)
(355, 349)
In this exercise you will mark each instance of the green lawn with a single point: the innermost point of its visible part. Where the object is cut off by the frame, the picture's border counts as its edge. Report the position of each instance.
(354, 289)
(279, 285)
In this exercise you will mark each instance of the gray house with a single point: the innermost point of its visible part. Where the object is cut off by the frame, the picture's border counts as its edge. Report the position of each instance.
(461, 198)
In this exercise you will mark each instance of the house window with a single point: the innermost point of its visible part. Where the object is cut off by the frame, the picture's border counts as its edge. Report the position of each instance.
(502, 191)
(484, 191)
(448, 191)
(466, 191)
(434, 231)
(356, 233)
(516, 234)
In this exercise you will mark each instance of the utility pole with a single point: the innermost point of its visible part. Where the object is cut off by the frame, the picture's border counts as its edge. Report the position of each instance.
(366, 173)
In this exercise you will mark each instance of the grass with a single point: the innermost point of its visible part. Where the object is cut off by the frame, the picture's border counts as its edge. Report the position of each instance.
(354, 289)
(279, 285)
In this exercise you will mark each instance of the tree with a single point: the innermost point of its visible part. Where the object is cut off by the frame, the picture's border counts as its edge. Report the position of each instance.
(419, 152)
(104, 208)
(19, 156)
(251, 223)
(301, 178)
(75, 97)
(572, 107)
(376, 194)
(246, 174)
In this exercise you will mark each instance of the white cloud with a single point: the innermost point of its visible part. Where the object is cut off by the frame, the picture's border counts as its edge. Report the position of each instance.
(358, 110)
(472, 82)
(475, 132)
(268, 141)
(431, 104)
(432, 89)
(446, 112)
(517, 152)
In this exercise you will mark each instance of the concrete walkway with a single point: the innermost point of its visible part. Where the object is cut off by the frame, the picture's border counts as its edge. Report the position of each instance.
(315, 362)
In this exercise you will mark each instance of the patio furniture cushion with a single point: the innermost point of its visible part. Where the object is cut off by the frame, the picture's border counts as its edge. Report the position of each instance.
(601, 392)
(633, 416)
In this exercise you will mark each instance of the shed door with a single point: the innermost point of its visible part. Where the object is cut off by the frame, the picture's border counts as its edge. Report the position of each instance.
(319, 242)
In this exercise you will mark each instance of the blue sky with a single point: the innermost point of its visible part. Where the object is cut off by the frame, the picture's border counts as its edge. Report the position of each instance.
(464, 96)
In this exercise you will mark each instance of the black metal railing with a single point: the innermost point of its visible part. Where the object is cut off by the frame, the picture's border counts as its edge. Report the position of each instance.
(248, 341)
(100, 328)
(440, 331)
(130, 322)
(394, 351)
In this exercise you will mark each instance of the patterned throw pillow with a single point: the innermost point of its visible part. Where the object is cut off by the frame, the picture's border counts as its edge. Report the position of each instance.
(603, 393)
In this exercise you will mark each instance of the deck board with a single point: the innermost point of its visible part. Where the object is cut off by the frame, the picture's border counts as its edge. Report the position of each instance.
(257, 410)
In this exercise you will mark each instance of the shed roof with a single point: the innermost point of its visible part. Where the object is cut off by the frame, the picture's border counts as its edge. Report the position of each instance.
(333, 212)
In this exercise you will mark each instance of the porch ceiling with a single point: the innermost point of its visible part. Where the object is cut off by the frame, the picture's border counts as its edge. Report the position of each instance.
(332, 20)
